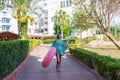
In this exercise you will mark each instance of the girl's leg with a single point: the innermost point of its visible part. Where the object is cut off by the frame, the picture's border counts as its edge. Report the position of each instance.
(57, 62)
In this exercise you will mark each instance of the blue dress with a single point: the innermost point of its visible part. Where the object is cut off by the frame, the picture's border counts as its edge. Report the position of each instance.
(60, 47)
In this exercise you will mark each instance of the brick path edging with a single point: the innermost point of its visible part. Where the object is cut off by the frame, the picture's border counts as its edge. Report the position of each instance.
(16, 72)
(88, 68)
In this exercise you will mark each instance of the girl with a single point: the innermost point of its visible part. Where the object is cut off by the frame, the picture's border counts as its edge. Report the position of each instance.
(60, 50)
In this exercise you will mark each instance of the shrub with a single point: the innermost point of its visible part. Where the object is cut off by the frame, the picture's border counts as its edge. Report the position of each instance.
(65, 41)
(42, 37)
(73, 40)
(118, 38)
(105, 65)
(87, 39)
(12, 53)
(49, 41)
(33, 43)
(72, 45)
(94, 37)
(106, 38)
(81, 45)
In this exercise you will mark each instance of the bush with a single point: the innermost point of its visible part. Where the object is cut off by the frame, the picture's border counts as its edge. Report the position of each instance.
(41, 37)
(118, 38)
(94, 37)
(73, 40)
(49, 41)
(87, 39)
(81, 45)
(105, 38)
(12, 53)
(105, 65)
(72, 45)
(65, 41)
(33, 43)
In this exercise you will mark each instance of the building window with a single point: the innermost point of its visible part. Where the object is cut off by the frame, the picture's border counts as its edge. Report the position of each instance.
(69, 3)
(5, 27)
(46, 29)
(4, 13)
(46, 23)
(62, 4)
(35, 23)
(29, 30)
(52, 19)
(5, 20)
(66, 3)
(36, 31)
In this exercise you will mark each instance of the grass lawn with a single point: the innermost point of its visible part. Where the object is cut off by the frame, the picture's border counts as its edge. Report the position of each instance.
(108, 50)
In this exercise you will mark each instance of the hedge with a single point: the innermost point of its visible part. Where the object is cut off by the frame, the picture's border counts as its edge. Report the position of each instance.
(73, 40)
(50, 41)
(105, 65)
(33, 43)
(12, 53)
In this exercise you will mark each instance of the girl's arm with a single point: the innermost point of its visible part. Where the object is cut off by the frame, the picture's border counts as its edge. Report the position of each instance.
(53, 44)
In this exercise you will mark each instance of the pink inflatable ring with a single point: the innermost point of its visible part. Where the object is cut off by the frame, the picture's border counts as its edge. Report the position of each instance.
(48, 58)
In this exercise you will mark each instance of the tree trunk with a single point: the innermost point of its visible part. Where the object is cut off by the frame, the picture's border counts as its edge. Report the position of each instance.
(18, 29)
(80, 33)
(23, 30)
(62, 34)
(87, 32)
(110, 36)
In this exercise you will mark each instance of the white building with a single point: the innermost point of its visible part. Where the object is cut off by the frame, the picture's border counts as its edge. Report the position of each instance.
(53, 7)
(40, 26)
(7, 22)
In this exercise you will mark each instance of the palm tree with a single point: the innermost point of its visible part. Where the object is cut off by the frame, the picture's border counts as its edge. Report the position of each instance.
(60, 20)
(22, 10)
(1, 6)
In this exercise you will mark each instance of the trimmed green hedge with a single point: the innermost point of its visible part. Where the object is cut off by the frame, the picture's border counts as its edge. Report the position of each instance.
(105, 65)
(73, 40)
(72, 46)
(12, 53)
(49, 41)
(33, 43)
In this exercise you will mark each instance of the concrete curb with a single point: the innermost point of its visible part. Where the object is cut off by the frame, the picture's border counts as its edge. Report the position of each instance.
(16, 72)
(88, 68)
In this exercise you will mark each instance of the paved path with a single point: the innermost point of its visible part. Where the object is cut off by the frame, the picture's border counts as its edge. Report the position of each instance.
(70, 68)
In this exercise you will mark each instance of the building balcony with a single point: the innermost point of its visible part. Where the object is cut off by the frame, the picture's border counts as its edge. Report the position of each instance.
(44, 27)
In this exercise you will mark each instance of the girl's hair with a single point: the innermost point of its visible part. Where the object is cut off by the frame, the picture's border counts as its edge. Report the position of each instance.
(58, 36)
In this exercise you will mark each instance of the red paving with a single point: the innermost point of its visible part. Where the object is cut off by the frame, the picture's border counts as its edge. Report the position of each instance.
(70, 68)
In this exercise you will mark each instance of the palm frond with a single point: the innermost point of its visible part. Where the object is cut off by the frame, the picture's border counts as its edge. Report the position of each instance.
(1, 6)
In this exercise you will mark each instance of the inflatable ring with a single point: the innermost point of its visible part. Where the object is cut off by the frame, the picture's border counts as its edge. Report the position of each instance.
(48, 58)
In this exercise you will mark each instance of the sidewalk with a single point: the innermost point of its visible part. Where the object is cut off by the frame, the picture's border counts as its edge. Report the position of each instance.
(70, 68)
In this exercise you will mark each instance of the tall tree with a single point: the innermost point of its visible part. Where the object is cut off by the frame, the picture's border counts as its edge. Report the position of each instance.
(22, 10)
(82, 21)
(102, 12)
(61, 21)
